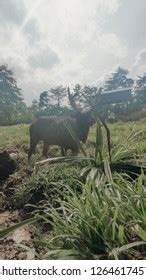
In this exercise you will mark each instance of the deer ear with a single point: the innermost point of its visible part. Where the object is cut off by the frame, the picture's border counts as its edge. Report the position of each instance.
(71, 101)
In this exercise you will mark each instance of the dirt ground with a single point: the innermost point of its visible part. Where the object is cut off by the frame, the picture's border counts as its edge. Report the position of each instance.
(17, 245)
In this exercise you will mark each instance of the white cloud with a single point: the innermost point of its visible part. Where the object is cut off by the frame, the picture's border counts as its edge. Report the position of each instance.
(12, 11)
(111, 44)
(43, 57)
(52, 42)
(140, 58)
(139, 65)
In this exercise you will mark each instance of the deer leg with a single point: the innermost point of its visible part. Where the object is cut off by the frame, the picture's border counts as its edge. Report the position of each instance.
(33, 144)
(45, 149)
(74, 152)
(63, 151)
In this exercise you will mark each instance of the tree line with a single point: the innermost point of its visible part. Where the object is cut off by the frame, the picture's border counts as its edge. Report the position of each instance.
(53, 101)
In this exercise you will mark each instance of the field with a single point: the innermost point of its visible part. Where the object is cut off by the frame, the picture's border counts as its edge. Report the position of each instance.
(68, 203)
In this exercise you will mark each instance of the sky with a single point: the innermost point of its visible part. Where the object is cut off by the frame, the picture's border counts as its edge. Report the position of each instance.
(54, 42)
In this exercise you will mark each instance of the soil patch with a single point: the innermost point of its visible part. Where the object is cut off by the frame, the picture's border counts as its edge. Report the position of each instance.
(17, 245)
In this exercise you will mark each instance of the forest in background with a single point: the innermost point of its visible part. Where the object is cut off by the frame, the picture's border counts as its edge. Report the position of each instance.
(53, 101)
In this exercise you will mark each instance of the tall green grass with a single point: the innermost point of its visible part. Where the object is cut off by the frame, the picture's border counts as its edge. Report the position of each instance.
(107, 221)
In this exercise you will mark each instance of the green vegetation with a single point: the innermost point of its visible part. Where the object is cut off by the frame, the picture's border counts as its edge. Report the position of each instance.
(78, 206)
(14, 135)
(95, 225)
(40, 188)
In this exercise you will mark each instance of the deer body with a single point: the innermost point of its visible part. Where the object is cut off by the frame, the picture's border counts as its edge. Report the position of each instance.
(53, 131)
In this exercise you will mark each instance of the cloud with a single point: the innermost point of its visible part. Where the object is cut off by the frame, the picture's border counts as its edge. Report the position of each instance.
(112, 45)
(31, 29)
(128, 23)
(52, 42)
(140, 58)
(12, 11)
(75, 33)
(139, 65)
(43, 57)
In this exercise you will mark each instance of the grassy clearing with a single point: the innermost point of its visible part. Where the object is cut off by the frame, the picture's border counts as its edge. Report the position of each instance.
(19, 135)
(13, 135)
(120, 130)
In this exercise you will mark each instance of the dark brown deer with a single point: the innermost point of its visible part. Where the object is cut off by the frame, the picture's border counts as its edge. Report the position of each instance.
(53, 131)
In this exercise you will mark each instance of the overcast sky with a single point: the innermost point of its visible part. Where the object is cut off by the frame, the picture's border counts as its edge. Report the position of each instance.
(53, 42)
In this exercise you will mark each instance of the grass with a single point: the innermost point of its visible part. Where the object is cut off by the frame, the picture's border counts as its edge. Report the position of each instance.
(121, 130)
(13, 135)
(40, 188)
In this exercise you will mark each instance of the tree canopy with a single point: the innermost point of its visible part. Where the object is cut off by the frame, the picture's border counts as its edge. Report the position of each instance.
(140, 89)
(11, 100)
(119, 79)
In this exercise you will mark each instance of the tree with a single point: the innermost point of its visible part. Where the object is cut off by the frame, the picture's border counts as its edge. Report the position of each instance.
(11, 101)
(44, 101)
(140, 90)
(119, 79)
(58, 94)
(35, 105)
(84, 95)
(34, 109)
(90, 94)
(77, 94)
